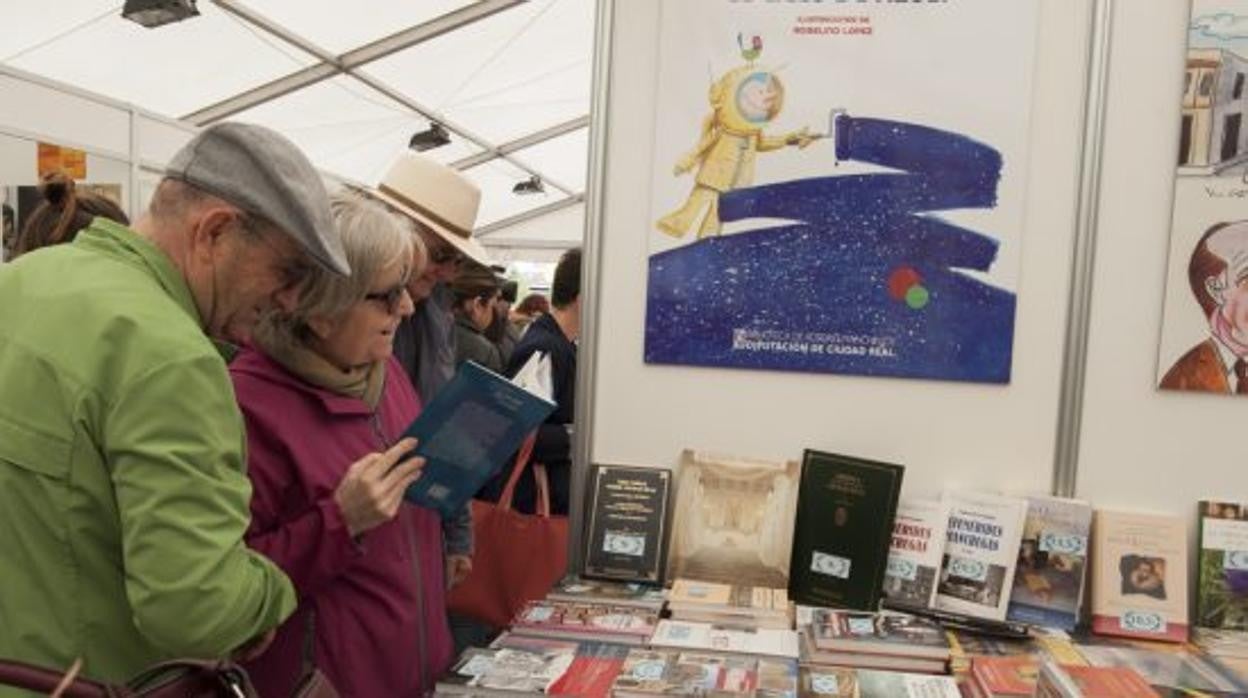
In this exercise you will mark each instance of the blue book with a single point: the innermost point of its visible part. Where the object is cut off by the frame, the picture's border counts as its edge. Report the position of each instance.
(467, 433)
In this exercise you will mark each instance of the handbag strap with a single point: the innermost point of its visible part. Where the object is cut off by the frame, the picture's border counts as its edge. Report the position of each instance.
(44, 680)
(542, 478)
(522, 460)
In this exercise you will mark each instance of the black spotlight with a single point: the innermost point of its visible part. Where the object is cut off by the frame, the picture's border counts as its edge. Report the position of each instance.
(433, 137)
(154, 13)
(532, 185)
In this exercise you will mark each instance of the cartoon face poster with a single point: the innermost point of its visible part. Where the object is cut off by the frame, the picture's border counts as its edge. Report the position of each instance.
(1204, 335)
(838, 186)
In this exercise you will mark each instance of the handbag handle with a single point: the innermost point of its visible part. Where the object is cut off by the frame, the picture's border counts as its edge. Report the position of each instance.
(43, 680)
(522, 459)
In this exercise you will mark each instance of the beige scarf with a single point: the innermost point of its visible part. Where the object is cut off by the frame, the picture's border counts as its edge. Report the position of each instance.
(362, 382)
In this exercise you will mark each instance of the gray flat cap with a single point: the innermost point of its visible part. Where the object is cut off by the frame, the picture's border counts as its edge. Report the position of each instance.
(263, 173)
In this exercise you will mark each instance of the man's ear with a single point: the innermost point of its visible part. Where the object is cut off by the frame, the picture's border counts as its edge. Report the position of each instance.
(320, 326)
(1216, 288)
(207, 232)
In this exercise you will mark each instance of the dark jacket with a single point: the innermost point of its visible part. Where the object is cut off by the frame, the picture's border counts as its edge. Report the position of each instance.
(472, 345)
(554, 443)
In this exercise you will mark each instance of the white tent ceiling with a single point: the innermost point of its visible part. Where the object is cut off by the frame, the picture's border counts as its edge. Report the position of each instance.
(351, 81)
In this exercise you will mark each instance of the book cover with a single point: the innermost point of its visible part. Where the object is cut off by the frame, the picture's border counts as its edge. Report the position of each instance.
(845, 509)
(896, 684)
(628, 524)
(580, 590)
(815, 657)
(572, 620)
(777, 678)
(506, 670)
(691, 594)
(1116, 682)
(821, 681)
(1006, 676)
(592, 671)
(1051, 573)
(914, 553)
(877, 633)
(711, 638)
(1139, 585)
(650, 672)
(732, 519)
(1222, 569)
(467, 432)
(981, 550)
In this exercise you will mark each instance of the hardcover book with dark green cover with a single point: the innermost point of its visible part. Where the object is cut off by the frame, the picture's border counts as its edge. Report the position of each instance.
(845, 510)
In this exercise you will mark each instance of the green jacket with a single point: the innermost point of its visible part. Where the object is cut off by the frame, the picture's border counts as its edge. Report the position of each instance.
(123, 490)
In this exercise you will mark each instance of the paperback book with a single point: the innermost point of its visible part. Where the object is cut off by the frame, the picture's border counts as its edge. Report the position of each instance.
(592, 671)
(914, 553)
(845, 510)
(1005, 676)
(705, 637)
(491, 672)
(894, 684)
(1139, 588)
(558, 619)
(729, 604)
(732, 520)
(1066, 681)
(827, 681)
(653, 672)
(474, 424)
(981, 550)
(1222, 569)
(1052, 565)
(594, 591)
(877, 633)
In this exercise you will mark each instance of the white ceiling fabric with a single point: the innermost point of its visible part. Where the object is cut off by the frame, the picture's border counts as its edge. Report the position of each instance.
(510, 79)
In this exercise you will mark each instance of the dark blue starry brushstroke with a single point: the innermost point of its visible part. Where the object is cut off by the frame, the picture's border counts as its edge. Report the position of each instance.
(828, 273)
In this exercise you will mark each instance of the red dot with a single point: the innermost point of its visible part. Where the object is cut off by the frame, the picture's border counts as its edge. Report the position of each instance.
(900, 281)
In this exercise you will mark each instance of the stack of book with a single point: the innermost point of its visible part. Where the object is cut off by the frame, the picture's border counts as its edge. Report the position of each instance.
(730, 605)
(866, 683)
(626, 625)
(867, 640)
(521, 665)
(592, 591)
(655, 672)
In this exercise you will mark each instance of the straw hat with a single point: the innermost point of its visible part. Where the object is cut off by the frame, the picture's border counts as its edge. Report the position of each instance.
(438, 197)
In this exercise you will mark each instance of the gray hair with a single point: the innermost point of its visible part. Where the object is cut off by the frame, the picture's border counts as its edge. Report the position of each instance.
(373, 239)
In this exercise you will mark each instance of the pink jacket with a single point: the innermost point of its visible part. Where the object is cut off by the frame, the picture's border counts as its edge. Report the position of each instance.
(380, 610)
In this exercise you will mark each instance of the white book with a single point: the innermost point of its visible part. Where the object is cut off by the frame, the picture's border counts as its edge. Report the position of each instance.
(981, 551)
(704, 637)
(914, 554)
(896, 684)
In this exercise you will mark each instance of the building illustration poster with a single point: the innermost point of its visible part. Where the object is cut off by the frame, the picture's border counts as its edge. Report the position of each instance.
(839, 186)
(1204, 336)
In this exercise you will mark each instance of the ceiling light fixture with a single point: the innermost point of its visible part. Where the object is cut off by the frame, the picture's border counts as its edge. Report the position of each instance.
(532, 185)
(154, 13)
(433, 137)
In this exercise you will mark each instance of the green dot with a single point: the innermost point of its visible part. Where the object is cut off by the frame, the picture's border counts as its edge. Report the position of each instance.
(917, 296)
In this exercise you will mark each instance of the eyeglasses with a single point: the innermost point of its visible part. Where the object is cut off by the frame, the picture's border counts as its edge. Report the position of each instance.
(390, 299)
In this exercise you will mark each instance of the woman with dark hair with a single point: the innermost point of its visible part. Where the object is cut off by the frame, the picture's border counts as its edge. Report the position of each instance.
(62, 213)
(476, 289)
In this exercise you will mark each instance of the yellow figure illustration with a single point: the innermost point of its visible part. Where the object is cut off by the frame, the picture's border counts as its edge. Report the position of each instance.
(743, 101)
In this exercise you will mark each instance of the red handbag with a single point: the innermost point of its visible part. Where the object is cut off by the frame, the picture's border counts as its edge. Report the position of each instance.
(517, 557)
(183, 678)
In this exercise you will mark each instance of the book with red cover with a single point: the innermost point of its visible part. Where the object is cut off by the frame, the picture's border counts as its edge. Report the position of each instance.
(593, 670)
(1005, 676)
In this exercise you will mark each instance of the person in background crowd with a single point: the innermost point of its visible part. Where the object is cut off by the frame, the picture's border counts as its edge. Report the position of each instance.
(63, 212)
(441, 205)
(555, 334)
(123, 492)
(504, 334)
(320, 389)
(476, 289)
(533, 305)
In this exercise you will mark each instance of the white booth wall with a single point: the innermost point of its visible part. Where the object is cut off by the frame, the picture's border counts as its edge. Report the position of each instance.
(947, 434)
(1142, 448)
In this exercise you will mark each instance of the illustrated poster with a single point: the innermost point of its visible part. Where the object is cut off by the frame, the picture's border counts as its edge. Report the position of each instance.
(1204, 334)
(839, 186)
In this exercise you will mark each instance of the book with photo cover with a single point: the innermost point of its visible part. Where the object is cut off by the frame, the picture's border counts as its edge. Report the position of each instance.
(834, 630)
(1139, 585)
(1222, 567)
(469, 430)
(732, 519)
(598, 591)
(981, 552)
(845, 511)
(619, 624)
(914, 553)
(1051, 574)
(628, 524)
(592, 671)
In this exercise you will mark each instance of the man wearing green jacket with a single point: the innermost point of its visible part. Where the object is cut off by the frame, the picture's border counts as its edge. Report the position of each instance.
(123, 491)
